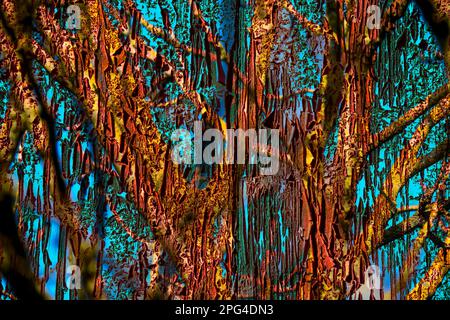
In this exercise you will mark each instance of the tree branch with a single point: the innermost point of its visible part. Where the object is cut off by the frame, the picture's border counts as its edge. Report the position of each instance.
(400, 230)
(409, 117)
(428, 285)
(305, 23)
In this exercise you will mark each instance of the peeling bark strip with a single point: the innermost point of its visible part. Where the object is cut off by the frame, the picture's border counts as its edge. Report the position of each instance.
(347, 102)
